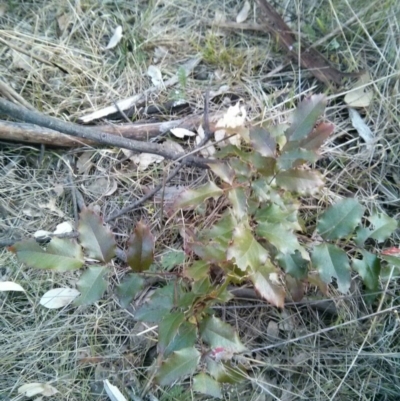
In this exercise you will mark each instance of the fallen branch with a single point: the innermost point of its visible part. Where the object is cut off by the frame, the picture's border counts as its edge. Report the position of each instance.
(132, 101)
(29, 133)
(298, 51)
(94, 134)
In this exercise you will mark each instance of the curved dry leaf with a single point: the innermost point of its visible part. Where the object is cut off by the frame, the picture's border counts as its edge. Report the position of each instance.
(360, 96)
(155, 74)
(210, 149)
(243, 13)
(181, 132)
(144, 160)
(172, 146)
(363, 130)
(115, 39)
(10, 286)
(32, 389)
(64, 228)
(58, 297)
(113, 392)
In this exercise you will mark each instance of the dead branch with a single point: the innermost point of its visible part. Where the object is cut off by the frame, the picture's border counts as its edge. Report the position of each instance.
(94, 134)
(34, 134)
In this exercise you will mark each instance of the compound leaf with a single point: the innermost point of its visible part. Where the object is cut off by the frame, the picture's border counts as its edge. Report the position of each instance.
(191, 198)
(91, 285)
(127, 290)
(202, 383)
(340, 220)
(181, 363)
(305, 117)
(60, 254)
(245, 249)
(305, 182)
(331, 261)
(266, 285)
(140, 252)
(369, 269)
(263, 142)
(95, 237)
(217, 333)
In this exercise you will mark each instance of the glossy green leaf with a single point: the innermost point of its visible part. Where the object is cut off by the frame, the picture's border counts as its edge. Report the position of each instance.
(168, 328)
(217, 333)
(274, 214)
(129, 287)
(305, 182)
(204, 384)
(213, 251)
(331, 261)
(159, 304)
(264, 280)
(92, 285)
(222, 229)
(186, 337)
(293, 264)
(380, 229)
(241, 168)
(237, 197)
(305, 117)
(280, 237)
(369, 269)
(264, 165)
(224, 372)
(223, 171)
(96, 239)
(180, 364)
(140, 252)
(172, 258)
(245, 249)
(194, 197)
(295, 158)
(262, 141)
(198, 270)
(340, 220)
(60, 254)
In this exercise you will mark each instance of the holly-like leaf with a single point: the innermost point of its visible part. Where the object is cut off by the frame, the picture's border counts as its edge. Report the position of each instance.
(293, 264)
(168, 328)
(185, 338)
(340, 220)
(305, 182)
(204, 384)
(305, 117)
(295, 158)
(172, 258)
(264, 165)
(91, 285)
(285, 216)
(245, 249)
(217, 333)
(181, 363)
(238, 199)
(223, 171)
(94, 237)
(264, 280)
(191, 198)
(225, 372)
(263, 142)
(198, 270)
(317, 137)
(159, 304)
(223, 229)
(281, 238)
(369, 269)
(382, 226)
(331, 261)
(140, 252)
(60, 254)
(129, 287)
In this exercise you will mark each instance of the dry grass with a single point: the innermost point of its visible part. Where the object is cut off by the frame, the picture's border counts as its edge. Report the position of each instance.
(356, 358)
